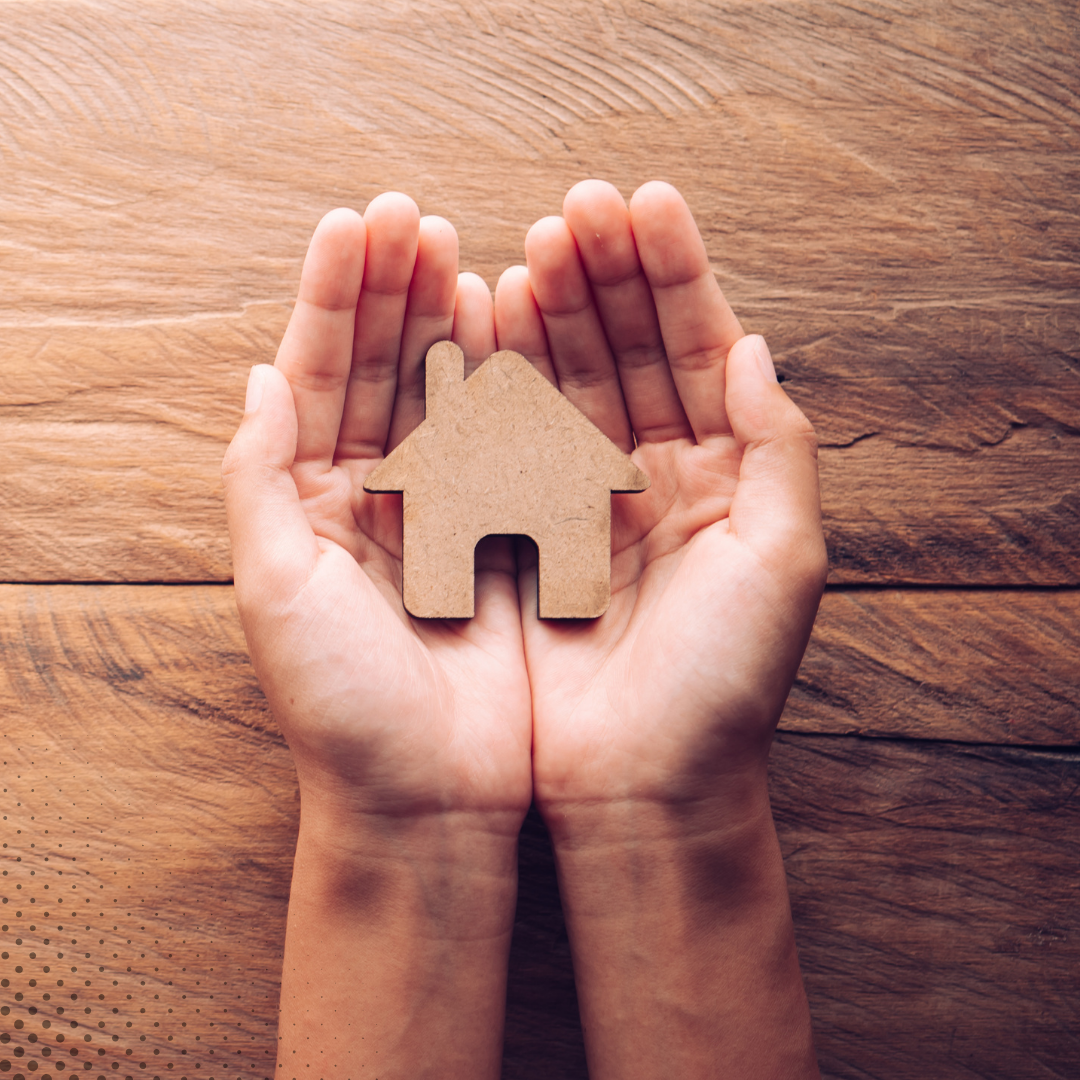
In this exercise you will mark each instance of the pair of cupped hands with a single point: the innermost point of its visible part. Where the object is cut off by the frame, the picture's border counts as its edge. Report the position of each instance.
(668, 699)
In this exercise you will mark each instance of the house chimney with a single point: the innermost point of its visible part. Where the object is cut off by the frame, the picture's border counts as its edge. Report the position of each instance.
(444, 378)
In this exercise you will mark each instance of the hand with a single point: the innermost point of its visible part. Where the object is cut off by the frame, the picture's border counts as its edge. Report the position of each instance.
(718, 568)
(411, 738)
(652, 724)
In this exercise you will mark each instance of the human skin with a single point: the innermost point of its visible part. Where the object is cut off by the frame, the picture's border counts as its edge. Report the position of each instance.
(652, 724)
(649, 728)
(411, 738)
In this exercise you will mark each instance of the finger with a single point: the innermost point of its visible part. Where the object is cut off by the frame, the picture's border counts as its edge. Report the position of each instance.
(600, 221)
(429, 317)
(474, 321)
(316, 350)
(777, 504)
(495, 575)
(698, 325)
(583, 361)
(273, 545)
(527, 555)
(518, 323)
(393, 229)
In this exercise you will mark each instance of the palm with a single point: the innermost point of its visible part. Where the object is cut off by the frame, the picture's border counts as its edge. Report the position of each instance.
(460, 657)
(677, 576)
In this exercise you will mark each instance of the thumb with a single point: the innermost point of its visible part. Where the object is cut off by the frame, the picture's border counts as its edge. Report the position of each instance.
(273, 545)
(777, 504)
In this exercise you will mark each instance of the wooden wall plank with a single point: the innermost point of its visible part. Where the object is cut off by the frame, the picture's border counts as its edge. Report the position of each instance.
(141, 501)
(114, 438)
(966, 666)
(148, 843)
(889, 191)
(1005, 514)
(933, 885)
(543, 1030)
(248, 115)
(976, 666)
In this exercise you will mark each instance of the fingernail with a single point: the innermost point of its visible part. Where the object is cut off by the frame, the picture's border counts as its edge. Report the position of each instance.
(764, 358)
(256, 380)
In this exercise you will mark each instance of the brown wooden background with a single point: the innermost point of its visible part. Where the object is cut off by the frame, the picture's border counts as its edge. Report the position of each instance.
(888, 190)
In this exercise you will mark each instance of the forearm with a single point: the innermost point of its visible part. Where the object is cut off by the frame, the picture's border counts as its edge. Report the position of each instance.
(396, 947)
(680, 927)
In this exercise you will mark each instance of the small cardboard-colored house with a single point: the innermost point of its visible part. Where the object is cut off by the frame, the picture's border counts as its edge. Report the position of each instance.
(503, 452)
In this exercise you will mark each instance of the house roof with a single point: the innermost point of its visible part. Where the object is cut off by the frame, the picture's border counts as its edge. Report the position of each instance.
(504, 426)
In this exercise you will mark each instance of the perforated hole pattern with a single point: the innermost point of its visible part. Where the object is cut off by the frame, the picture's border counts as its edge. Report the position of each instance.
(100, 981)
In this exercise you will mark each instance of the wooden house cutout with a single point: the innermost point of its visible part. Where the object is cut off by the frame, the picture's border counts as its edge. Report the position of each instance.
(504, 452)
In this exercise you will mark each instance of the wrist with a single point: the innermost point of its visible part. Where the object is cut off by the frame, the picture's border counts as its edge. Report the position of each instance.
(726, 813)
(354, 793)
(397, 942)
(680, 929)
(717, 858)
(426, 873)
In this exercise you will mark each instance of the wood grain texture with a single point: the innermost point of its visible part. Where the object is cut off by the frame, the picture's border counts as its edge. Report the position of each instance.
(936, 906)
(978, 666)
(934, 889)
(150, 811)
(543, 1030)
(148, 838)
(963, 666)
(887, 190)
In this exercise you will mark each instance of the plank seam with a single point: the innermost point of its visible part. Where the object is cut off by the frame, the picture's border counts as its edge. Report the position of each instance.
(1054, 750)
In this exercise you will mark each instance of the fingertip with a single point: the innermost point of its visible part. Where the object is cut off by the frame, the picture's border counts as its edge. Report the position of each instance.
(261, 501)
(777, 504)
(340, 219)
(435, 272)
(474, 320)
(267, 433)
(750, 357)
(545, 233)
(654, 193)
(599, 219)
(656, 207)
(518, 322)
(334, 263)
(393, 235)
(556, 274)
(435, 230)
(394, 204)
(273, 545)
(511, 281)
(762, 356)
(589, 193)
(256, 380)
(473, 282)
(437, 221)
(515, 307)
(668, 240)
(758, 407)
(473, 295)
